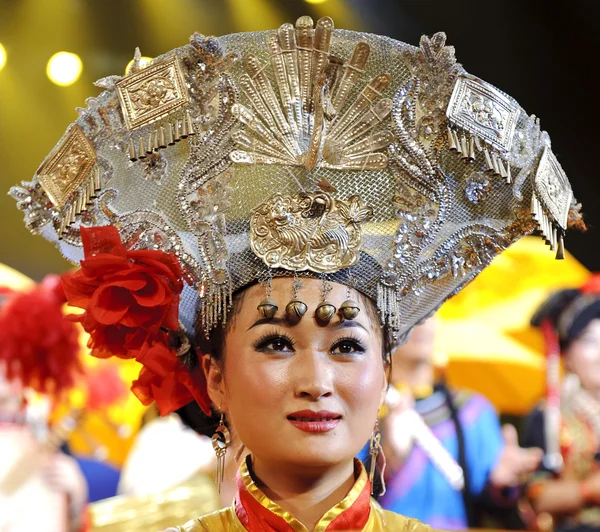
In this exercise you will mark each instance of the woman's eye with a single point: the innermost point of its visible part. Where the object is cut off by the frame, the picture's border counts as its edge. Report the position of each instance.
(347, 347)
(277, 344)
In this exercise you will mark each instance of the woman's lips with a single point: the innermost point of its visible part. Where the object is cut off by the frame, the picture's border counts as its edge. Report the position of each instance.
(311, 421)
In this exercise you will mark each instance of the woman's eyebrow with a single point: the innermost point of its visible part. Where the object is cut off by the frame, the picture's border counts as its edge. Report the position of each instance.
(344, 324)
(349, 323)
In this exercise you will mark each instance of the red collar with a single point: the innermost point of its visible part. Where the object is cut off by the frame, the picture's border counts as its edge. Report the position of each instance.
(257, 512)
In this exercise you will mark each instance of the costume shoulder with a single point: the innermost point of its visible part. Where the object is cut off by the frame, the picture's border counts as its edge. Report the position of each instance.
(223, 520)
(387, 520)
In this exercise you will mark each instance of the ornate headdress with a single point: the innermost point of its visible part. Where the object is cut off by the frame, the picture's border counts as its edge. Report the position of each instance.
(302, 151)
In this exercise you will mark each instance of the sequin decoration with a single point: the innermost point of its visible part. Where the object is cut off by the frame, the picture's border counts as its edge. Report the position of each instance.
(478, 187)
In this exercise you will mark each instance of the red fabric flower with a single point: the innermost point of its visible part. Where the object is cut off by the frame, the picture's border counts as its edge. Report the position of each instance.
(38, 346)
(131, 304)
(165, 380)
(128, 296)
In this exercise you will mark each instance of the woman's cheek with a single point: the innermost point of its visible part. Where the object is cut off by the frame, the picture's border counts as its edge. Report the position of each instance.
(363, 381)
(259, 379)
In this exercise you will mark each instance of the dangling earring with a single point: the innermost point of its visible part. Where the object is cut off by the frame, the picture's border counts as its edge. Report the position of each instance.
(220, 441)
(376, 452)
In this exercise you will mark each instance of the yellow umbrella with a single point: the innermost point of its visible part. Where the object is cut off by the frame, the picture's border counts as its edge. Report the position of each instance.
(509, 374)
(11, 278)
(484, 337)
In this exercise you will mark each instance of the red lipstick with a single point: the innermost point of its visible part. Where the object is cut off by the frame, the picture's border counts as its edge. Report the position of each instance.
(311, 421)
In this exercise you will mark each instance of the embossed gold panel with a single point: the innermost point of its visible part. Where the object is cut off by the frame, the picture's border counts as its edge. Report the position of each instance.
(309, 231)
(482, 110)
(552, 188)
(69, 166)
(153, 92)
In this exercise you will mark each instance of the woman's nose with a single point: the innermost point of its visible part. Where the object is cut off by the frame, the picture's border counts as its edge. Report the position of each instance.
(313, 376)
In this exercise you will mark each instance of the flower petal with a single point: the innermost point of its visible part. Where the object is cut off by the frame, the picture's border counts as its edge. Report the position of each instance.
(110, 304)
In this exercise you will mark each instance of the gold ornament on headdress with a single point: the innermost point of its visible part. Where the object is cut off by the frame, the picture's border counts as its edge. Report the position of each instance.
(70, 176)
(308, 232)
(310, 124)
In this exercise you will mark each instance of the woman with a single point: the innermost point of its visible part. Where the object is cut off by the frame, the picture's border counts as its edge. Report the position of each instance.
(261, 214)
(567, 487)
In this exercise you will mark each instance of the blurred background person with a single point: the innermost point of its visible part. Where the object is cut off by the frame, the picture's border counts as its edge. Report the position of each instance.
(41, 487)
(565, 492)
(459, 467)
(157, 491)
(147, 470)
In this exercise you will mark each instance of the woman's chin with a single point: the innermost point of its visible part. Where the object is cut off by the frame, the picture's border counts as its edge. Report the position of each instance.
(323, 460)
(314, 456)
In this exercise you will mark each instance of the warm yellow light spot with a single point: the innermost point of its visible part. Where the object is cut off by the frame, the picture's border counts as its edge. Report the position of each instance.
(64, 68)
(2, 56)
(144, 60)
(315, 1)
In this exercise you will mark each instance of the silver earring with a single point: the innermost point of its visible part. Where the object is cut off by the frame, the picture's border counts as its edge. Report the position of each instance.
(376, 452)
(220, 441)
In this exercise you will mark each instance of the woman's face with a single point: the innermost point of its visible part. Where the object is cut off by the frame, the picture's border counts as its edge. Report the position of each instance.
(300, 394)
(583, 356)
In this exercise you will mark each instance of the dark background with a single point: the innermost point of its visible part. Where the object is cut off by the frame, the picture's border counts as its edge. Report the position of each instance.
(543, 53)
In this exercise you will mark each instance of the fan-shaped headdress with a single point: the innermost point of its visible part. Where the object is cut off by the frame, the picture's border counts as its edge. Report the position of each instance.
(301, 151)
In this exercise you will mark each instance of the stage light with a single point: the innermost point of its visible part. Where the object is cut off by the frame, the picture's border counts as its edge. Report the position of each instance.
(315, 1)
(144, 60)
(64, 68)
(2, 56)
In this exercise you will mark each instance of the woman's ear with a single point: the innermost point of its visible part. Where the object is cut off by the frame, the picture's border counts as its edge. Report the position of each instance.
(215, 383)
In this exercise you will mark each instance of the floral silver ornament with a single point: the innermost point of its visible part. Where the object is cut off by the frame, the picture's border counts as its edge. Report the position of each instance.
(478, 187)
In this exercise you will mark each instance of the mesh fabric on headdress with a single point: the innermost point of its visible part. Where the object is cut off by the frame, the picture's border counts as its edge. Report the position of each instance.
(448, 170)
